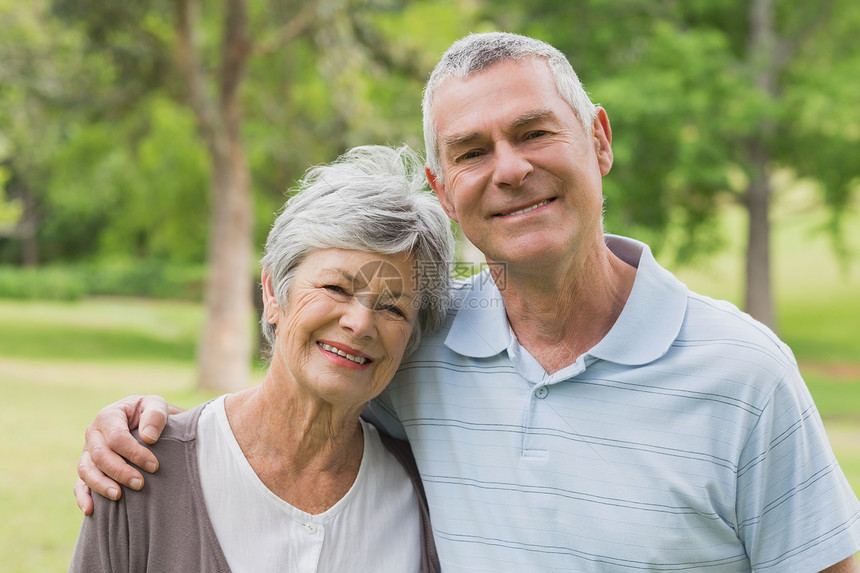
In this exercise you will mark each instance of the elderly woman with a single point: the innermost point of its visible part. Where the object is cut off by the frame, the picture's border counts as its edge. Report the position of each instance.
(285, 476)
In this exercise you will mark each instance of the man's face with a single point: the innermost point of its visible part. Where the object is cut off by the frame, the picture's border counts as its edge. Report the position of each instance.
(521, 176)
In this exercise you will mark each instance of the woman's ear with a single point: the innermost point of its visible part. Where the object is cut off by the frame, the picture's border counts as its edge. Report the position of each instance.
(271, 309)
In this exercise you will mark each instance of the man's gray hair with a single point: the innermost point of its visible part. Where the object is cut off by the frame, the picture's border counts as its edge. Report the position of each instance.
(477, 52)
(372, 198)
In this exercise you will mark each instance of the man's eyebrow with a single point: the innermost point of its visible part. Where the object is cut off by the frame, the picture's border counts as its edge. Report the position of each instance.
(527, 118)
(533, 116)
(458, 139)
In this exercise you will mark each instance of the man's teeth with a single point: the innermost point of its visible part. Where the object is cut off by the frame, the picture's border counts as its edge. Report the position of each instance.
(527, 209)
(339, 352)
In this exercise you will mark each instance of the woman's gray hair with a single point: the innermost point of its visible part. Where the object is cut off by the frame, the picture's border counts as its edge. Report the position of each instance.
(476, 52)
(372, 198)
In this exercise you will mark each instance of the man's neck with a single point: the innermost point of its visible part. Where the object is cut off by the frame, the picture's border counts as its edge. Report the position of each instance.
(559, 313)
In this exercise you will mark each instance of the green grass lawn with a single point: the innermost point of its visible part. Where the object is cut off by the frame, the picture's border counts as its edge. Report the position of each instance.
(61, 362)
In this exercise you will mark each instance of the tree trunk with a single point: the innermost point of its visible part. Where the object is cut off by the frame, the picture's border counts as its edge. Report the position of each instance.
(763, 62)
(29, 228)
(759, 300)
(225, 344)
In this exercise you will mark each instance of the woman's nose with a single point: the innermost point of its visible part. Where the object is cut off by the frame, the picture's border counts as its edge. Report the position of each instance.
(358, 317)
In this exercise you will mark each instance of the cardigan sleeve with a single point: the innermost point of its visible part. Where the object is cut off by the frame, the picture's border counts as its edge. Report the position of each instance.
(103, 539)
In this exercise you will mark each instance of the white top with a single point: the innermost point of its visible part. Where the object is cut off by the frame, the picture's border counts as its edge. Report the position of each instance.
(374, 527)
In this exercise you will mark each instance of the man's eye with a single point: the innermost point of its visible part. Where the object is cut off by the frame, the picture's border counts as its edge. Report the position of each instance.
(469, 155)
(535, 134)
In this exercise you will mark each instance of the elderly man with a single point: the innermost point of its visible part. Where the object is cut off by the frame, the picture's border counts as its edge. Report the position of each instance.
(582, 410)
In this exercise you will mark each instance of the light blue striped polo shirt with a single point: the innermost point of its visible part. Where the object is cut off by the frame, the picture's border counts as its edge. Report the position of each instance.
(685, 440)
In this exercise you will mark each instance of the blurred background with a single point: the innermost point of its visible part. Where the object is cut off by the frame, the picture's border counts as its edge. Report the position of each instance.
(144, 148)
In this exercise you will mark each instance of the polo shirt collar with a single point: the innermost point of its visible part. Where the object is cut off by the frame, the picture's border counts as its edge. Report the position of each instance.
(652, 317)
(645, 330)
(481, 328)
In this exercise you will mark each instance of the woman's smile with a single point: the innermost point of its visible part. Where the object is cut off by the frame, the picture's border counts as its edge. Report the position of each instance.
(335, 352)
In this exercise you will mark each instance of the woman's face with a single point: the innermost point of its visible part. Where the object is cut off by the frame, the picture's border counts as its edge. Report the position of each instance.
(348, 319)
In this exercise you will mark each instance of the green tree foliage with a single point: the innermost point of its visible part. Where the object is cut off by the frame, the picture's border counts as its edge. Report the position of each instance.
(146, 200)
(179, 88)
(38, 60)
(100, 155)
(96, 134)
(75, 120)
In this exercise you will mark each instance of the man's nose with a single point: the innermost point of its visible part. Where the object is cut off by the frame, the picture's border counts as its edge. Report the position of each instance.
(510, 165)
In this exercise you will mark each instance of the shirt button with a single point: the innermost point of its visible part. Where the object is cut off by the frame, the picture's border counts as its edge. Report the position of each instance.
(311, 528)
(542, 392)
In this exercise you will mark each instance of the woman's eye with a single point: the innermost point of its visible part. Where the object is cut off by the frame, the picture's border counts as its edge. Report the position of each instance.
(335, 289)
(393, 309)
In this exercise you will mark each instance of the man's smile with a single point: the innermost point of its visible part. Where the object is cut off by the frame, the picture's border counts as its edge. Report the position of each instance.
(526, 209)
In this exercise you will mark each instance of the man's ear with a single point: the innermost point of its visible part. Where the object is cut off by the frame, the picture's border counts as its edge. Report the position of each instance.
(271, 309)
(441, 191)
(602, 134)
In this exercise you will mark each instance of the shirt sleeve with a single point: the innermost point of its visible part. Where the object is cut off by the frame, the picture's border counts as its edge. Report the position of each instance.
(796, 511)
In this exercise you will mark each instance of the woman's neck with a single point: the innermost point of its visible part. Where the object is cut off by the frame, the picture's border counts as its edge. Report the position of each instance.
(307, 453)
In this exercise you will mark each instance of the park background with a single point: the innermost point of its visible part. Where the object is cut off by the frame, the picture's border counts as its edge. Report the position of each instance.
(144, 148)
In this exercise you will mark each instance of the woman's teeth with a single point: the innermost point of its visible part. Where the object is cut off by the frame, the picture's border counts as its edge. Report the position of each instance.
(339, 352)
